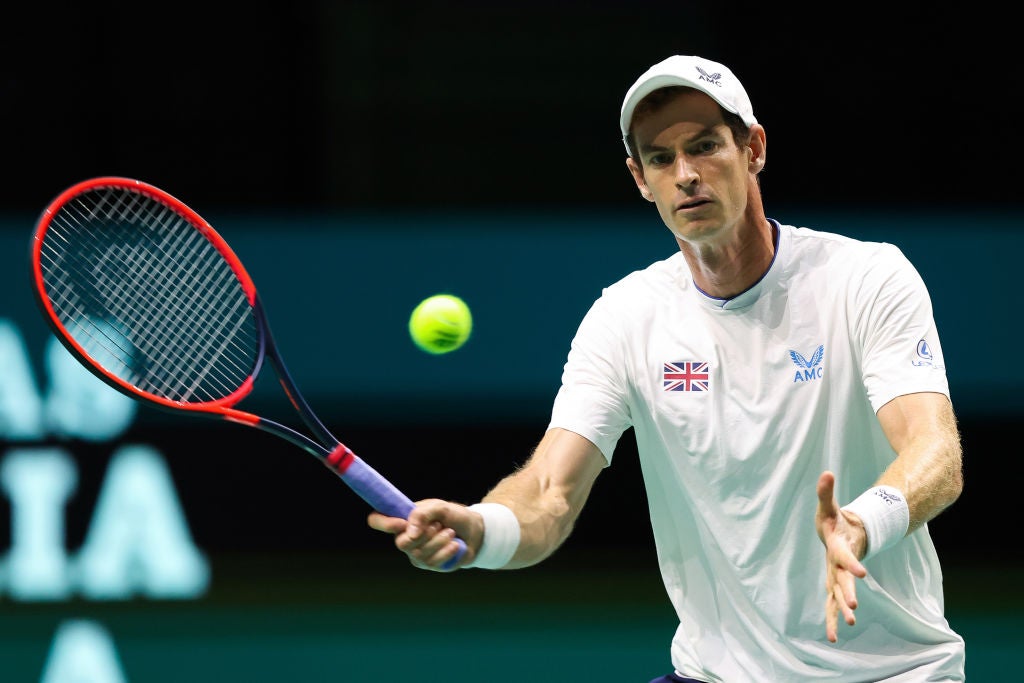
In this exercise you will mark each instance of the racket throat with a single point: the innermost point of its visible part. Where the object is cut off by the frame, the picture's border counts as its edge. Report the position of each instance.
(340, 459)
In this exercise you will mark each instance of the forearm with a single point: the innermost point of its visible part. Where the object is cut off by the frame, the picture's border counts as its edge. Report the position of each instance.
(928, 469)
(546, 518)
(930, 476)
(548, 493)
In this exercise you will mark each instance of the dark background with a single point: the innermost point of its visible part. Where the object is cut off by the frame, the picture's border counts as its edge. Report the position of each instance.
(492, 105)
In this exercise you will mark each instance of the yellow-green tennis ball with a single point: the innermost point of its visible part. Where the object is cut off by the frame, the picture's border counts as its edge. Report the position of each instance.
(440, 323)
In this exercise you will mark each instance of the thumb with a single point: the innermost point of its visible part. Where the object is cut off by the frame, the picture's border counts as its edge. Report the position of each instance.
(467, 524)
(826, 490)
(428, 511)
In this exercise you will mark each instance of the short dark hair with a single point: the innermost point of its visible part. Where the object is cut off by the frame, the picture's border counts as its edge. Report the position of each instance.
(658, 98)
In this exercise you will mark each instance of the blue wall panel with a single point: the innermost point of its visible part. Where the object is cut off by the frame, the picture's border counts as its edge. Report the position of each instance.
(339, 289)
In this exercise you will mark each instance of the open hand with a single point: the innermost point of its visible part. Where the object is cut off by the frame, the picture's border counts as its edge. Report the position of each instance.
(845, 543)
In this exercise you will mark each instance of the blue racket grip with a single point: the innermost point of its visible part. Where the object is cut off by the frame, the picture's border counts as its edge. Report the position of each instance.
(380, 493)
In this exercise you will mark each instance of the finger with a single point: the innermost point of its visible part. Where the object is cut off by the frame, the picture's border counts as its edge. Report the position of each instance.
(846, 605)
(391, 525)
(434, 539)
(854, 567)
(826, 489)
(441, 549)
(831, 618)
(424, 541)
(428, 514)
(840, 554)
(443, 559)
(437, 552)
(848, 585)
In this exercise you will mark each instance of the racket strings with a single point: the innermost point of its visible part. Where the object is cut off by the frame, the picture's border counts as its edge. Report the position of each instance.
(180, 337)
(122, 308)
(170, 287)
(167, 363)
(148, 297)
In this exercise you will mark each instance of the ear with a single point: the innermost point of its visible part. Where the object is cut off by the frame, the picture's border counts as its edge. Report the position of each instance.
(758, 148)
(637, 171)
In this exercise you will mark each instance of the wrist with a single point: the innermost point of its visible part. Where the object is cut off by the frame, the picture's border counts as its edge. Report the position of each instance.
(501, 536)
(884, 512)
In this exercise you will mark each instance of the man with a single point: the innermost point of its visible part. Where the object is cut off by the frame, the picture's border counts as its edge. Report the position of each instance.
(758, 364)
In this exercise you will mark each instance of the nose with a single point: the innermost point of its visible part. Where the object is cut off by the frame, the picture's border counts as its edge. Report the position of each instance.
(686, 172)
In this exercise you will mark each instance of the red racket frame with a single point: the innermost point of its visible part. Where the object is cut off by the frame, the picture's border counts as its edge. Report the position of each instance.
(366, 482)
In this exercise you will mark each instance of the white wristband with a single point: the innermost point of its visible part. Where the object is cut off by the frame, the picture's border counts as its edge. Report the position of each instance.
(886, 517)
(501, 536)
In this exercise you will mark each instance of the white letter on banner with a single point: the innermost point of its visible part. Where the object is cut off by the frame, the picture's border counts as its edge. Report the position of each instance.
(138, 540)
(78, 404)
(20, 406)
(82, 651)
(38, 483)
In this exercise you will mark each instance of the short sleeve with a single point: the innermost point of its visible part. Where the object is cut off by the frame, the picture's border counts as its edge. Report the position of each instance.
(901, 352)
(592, 399)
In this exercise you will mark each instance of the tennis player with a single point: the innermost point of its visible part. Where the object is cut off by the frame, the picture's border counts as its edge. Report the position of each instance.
(790, 405)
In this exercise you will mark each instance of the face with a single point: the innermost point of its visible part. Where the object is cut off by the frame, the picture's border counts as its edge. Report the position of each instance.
(689, 166)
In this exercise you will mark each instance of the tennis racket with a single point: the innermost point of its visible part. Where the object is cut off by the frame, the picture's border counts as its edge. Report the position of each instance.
(151, 299)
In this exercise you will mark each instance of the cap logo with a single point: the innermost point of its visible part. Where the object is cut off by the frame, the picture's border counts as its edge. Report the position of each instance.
(710, 78)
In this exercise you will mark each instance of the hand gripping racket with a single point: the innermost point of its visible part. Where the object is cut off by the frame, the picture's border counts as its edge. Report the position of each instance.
(144, 293)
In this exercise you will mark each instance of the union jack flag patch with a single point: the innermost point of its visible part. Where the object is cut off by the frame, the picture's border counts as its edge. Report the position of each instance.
(686, 376)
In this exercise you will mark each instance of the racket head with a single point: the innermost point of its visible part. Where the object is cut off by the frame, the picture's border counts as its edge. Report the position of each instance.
(147, 295)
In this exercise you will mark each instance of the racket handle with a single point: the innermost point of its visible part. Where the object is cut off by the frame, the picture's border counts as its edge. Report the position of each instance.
(380, 493)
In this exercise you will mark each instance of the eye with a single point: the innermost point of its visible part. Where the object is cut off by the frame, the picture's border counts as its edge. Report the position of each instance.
(707, 146)
(659, 159)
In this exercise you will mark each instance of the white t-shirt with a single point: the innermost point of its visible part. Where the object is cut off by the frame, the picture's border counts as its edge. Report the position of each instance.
(737, 408)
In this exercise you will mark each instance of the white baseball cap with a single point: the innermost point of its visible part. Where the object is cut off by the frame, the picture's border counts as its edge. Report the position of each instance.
(711, 78)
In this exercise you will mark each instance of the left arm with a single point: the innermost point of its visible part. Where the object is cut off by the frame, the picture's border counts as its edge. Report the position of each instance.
(922, 429)
(928, 468)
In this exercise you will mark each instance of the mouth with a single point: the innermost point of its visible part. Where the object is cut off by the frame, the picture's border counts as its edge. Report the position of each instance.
(691, 204)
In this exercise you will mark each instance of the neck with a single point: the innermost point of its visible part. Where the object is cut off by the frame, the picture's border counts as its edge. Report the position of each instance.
(728, 268)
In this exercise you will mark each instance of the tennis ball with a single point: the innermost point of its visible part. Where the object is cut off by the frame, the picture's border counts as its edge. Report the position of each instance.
(440, 323)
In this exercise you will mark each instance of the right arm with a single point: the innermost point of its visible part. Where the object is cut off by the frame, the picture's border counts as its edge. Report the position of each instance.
(546, 495)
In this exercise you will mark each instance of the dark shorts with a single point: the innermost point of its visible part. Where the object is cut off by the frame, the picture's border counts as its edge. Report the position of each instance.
(674, 678)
